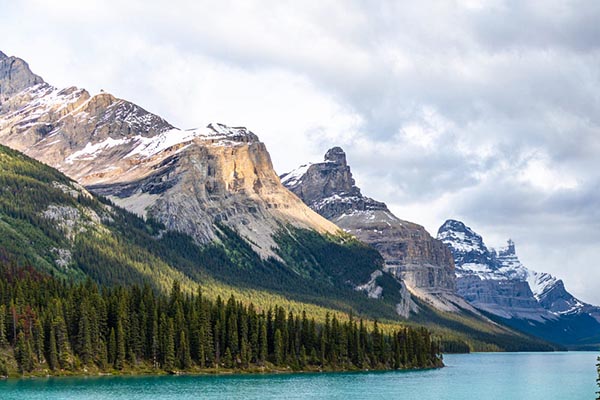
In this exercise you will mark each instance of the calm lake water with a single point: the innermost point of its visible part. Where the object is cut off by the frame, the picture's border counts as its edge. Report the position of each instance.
(513, 376)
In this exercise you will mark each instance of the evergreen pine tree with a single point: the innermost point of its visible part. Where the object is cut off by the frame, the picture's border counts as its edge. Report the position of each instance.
(228, 359)
(84, 337)
(154, 343)
(185, 360)
(23, 353)
(244, 352)
(62, 343)
(52, 352)
(232, 333)
(120, 346)
(3, 339)
(169, 356)
(38, 341)
(278, 345)
(263, 347)
(101, 355)
(112, 347)
(302, 357)
(201, 355)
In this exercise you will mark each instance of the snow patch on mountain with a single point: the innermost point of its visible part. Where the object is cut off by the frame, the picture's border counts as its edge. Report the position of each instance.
(91, 151)
(461, 238)
(42, 98)
(294, 177)
(482, 270)
(150, 146)
(146, 147)
(540, 283)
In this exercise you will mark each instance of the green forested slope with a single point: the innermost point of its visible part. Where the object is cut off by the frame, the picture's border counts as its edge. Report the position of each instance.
(51, 326)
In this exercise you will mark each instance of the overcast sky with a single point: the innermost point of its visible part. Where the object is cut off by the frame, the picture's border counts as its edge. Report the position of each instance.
(488, 112)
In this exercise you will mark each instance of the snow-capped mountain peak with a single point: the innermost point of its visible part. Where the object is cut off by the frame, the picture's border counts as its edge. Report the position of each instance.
(510, 288)
(460, 237)
(294, 177)
(218, 131)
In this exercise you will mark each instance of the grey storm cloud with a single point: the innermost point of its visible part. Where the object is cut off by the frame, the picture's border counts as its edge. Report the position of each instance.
(488, 111)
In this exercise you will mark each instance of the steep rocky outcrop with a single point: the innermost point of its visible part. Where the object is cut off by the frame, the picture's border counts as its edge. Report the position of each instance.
(497, 282)
(187, 179)
(422, 263)
(15, 76)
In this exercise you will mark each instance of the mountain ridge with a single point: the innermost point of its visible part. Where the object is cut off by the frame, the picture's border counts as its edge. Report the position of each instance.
(145, 164)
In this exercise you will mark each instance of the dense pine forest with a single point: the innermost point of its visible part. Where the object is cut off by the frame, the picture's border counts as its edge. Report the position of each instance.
(50, 326)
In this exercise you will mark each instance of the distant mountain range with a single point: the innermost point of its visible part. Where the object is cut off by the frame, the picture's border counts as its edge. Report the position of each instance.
(496, 282)
(208, 207)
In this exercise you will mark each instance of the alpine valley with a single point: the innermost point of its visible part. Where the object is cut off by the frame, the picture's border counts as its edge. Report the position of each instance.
(98, 194)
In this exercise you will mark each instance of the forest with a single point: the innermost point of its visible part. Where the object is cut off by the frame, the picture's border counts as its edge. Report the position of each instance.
(52, 326)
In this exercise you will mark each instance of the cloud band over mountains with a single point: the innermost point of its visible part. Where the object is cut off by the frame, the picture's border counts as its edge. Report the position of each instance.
(487, 112)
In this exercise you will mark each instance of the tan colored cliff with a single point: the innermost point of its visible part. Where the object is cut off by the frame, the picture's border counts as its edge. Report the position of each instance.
(187, 179)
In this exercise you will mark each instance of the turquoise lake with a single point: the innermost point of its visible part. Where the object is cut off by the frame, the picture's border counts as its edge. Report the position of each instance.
(506, 376)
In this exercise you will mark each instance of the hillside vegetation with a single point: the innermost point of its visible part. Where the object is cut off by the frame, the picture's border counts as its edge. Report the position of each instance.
(53, 326)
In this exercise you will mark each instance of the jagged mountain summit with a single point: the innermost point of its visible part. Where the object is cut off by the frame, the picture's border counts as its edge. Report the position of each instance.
(473, 258)
(500, 288)
(186, 179)
(497, 282)
(421, 262)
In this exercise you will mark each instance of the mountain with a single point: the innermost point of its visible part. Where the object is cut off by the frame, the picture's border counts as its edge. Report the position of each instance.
(186, 179)
(423, 264)
(495, 281)
(205, 206)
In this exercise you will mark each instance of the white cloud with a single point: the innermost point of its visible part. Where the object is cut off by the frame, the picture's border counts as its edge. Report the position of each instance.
(539, 173)
(483, 110)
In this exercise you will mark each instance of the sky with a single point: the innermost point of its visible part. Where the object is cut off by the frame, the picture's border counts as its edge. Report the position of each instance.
(483, 111)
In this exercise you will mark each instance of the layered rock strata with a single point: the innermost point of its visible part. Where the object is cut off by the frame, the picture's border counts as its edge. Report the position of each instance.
(187, 179)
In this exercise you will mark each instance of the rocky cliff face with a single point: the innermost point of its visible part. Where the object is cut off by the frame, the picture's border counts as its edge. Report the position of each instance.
(422, 263)
(497, 281)
(187, 179)
(15, 76)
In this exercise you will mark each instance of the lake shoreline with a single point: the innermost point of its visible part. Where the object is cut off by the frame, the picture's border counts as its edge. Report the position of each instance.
(207, 372)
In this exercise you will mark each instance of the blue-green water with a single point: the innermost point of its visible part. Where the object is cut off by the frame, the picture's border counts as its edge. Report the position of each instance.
(513, 376)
